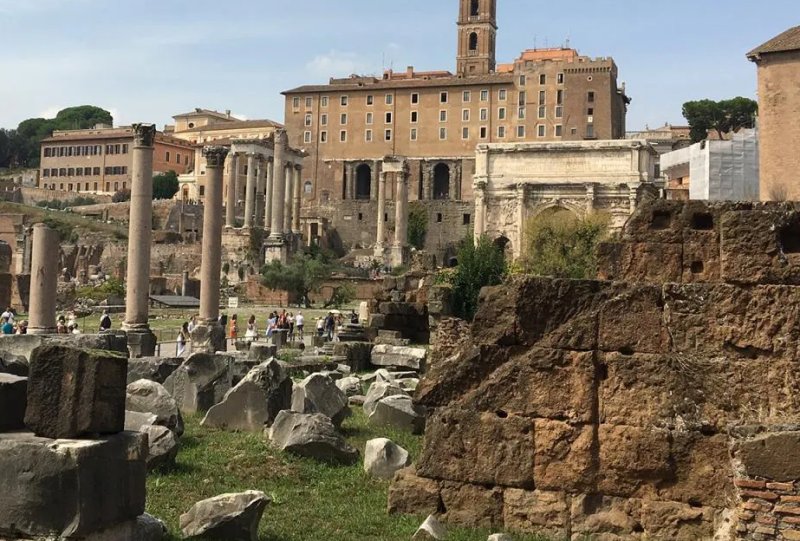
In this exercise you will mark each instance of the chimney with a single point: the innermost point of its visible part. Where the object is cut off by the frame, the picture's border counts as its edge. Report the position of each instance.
(410, 72)
(228, 113)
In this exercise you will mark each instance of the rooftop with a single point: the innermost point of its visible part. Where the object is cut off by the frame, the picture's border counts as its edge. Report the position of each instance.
(94, 134)
(235, 125)
(787, 41)
(360, 83)
(205, 112)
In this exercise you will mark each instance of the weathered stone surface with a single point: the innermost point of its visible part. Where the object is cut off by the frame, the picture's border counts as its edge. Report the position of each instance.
(233, 517)
(143, 528)
(151, 397)
(633, 261)
(13, 397)
(383, 458)
(540, 512)
(350, 386)
(410, 494)
(74, 392)
(136, 420)
(623, 319)
(632, 458)
(155, 369)
(318, 393)
(500, 537)
(472, 506)
(430, 529)
(13, 364)
(399, 412)
(774, 456)
(200, 382)
(377, 392)
(162, 447)
(261, 352)
(311, 436)
(404, 357)
(605, 517)
(564, 456)
(21, 346)
(255, 401)
(70, 488)
(486, 443)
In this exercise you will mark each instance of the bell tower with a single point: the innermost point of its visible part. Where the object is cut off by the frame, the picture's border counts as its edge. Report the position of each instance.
(477, 32)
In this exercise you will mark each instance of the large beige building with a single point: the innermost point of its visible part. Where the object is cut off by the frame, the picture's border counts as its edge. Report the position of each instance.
(778, 62)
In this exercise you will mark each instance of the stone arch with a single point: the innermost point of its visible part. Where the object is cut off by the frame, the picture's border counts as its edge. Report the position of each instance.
(473, 41)
(441, 181)
(556, 207)
(504, 244)
(363, 181)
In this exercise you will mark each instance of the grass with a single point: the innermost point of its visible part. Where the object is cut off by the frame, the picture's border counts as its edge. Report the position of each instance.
(310, 501)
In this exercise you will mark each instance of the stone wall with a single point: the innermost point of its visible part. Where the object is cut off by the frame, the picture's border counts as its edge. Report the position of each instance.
(663, 405)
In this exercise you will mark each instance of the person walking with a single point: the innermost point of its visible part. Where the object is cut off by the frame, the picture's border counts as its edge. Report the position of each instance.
(251, 334)
(320, 327)
(330, 323)
(233, 328)
(105, 322)
(183, 337)
(299, 323)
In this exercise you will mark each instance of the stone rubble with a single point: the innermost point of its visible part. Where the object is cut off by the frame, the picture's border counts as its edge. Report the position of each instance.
(232, 517)
(430, 529)
(383, 458)
(312, 436)
(150, 397)
(318, 393)
(400, 413)
(378, 391)
(13, 399)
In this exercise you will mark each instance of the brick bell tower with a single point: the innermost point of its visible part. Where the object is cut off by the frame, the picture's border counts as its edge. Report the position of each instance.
(477, 33)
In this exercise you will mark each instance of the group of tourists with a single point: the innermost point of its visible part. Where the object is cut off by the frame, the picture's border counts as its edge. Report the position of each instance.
(293, 325)
(8, 324)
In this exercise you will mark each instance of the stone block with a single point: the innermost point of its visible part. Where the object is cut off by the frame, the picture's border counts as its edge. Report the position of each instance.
(311, 436)
(73, 392)
(318, 393)
(410, 494)
(398, 356)
(472, 506)
(200, 382)
(399, 413)
(155, 369)
(679, 521)
(564, 458)
(486, 443)
(233, 517)
(702, 470)
(70, 488)
(633, 460)
(701, 262)
(641, 262)
(536, 512)
(632, 322)
(661, 220)
(594, 516)
(13, 398)
(141, 343)
(772, 456)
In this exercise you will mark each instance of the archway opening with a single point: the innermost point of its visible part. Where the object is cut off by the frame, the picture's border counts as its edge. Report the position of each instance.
(441, 181)
(503, 244)
(475, 7)
(363, 181)
(473, 42)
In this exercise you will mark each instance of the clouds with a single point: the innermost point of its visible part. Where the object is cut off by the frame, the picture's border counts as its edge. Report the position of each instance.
(337, 64)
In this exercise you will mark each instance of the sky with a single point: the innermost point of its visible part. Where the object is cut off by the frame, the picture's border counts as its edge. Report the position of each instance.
(147, 60)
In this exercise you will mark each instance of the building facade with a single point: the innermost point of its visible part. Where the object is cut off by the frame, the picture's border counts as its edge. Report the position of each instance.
(515, 182)
(778, 62)
(99, 160)
(435, 119)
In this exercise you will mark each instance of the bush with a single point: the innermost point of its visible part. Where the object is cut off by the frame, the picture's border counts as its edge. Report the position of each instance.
(121, 196)
(417, 226)
(343, 294)
(110, 288)
(479, 265)
(57, 204)
(65, 232)
(562, 245)
(165, 185)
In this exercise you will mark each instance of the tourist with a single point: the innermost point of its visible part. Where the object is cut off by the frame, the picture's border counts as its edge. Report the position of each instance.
(61, 325)
(192, 325)
(233, 328)
(7, 327)
(251, 334)
(22, 328)
(183, 337)
(73, 329)
(353, 317)
(290, 321)
(8, 314)
(320, 327)
(299, 323)
(330, 325)
(105, 321)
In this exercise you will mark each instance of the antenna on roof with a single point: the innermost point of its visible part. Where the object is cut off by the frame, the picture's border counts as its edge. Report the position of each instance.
(566, 43)
(534, 42)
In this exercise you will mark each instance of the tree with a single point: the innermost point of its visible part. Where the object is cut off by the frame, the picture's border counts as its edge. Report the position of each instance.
(480, 264)
(165, 185)
(561, 245)
(722, 116)
(303, 275)
(343, 294)
(120, 196)
(417, 226)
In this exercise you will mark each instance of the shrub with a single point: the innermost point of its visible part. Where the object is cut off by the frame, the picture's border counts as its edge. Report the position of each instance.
(480, 264)
(417, 225)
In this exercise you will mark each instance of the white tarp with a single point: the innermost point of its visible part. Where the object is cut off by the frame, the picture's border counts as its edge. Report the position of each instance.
(725, 170)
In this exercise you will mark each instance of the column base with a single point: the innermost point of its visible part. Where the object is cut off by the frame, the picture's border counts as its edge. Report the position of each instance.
(276, 250)
(141, 342)
(209, 338)
(401, 255)
(42, 330)
(379, 251)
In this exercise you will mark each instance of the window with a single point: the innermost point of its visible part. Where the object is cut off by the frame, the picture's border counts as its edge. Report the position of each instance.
(502, 94)
(370, 99)
(71, 172)
(186, 160)
(542, 111)
(465, 133)
(369, 118)
(79, 172)
(343, 136)
(46, 173)
(542, 97)
(467, 219)
(389, 99)
(467, 96)
(368, 136)
(521, 113)
(473, 41)
(520, 131)
(167, 156)
(62, 172)
(413, 134)
(439, 217)
(54, 172)
(501, 113)
(483, 132)
(323, 137)
(484, 95)
(590, 111)
(590, 97)
(484, 114)
(560, 97)
(343, 119)
(324, 101)
(307, 137)
(307, 186)
(442, 133)
(414, 116)
(465, 115)
(323, 119)
(501, 132)
(387, 135)
(560, 78)
(414, 98)
(95, 186)
(296, 103)
(540, 130)
(343, 101)
(202, 191)
(542, 79)
(309, 102)
(442, 116)
(96, 171)
(388, 119)
(474, 8)
(443, 97)
(308, 120)
(559, 111)
(559, 131)
(522, 80)
(590, 130)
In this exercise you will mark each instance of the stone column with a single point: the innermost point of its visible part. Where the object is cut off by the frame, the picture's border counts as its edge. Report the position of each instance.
(298, 178)
(522, 218)
(590, 198)
(268, 200)
(374, 180)
(230, 202)
(287, 200)
(278, 186)
(44, 281)
(250, 196)
(141, 340)
(185, 284)
(209, 335)
(480, 209)
(400, 247)
(260, 187)
(427, 184)
(632, 196)
(379, 240)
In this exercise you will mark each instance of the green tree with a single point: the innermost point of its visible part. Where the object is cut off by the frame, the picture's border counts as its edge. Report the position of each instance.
(120, 196)
(722, 116)
(165, 185)
(301, 276)
(417, 225)
(480, 264)
(561, 245)
(343, 294)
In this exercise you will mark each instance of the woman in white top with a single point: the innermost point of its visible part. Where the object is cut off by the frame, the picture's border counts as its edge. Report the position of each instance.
(252, 331)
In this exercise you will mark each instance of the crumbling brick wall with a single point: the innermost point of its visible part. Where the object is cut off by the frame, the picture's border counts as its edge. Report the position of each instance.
(661, 405)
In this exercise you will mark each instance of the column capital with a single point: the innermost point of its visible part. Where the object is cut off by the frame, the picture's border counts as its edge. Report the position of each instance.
(298, 167)
(280, 136)
(215, 155)
(144, 135)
